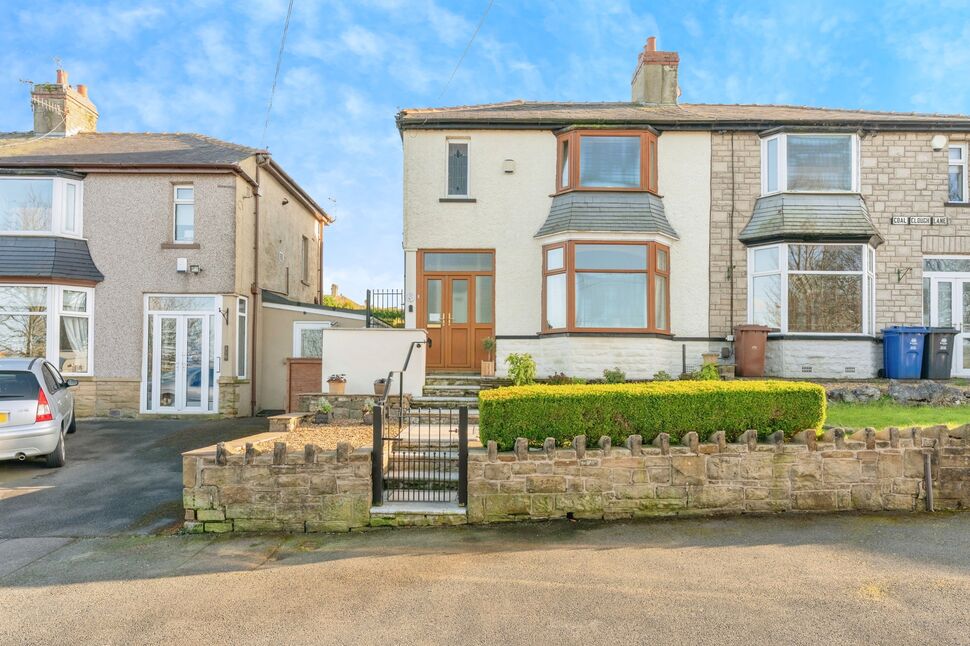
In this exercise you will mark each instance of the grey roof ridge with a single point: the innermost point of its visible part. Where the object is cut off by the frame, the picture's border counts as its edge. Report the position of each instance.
(198, 135)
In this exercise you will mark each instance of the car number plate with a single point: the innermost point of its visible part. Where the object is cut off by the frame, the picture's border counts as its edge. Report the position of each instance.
(4, 417)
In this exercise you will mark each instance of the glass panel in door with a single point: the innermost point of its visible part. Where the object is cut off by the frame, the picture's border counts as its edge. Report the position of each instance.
(167, 357)
(195, 375)
(458, 337)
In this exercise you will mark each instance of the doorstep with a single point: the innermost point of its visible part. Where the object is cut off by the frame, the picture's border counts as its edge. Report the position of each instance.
(417, 514)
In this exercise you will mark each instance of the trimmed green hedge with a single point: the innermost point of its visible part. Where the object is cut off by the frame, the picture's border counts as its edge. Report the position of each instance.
(648, 409)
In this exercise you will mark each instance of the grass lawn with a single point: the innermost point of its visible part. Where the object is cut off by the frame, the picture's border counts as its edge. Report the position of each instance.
(884, 414)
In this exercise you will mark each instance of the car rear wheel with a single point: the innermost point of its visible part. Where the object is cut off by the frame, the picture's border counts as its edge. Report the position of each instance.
(73, 427)
(58, 457)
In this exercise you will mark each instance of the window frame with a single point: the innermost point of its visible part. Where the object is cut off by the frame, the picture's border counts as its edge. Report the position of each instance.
(781, 168)
(649, 164)
(58, 207)
(468, 168)
(175, 204)
(963, 163)
(242, 316)
(569, 269)
(867, 272)
(298, 327)
(305, 260)
(54, 310)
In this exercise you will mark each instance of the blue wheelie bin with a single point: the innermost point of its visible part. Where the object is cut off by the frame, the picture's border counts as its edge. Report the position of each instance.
(903, 351)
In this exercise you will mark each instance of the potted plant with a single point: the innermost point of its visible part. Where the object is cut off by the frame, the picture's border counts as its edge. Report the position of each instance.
(488, 365)
(324, 414)
(367, 411)
(337, 384)
(380, 385)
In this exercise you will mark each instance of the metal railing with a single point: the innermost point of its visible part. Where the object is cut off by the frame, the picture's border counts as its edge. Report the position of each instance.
(385, 305)
(424, 460)
(400, 379)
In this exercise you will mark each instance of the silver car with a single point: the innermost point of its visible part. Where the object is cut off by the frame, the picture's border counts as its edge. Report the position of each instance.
(36, 411)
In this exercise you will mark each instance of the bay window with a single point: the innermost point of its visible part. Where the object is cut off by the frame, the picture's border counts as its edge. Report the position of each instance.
(606, 286)
(812, 288)
(40, 205)
(813, 163)
(51, 322)
(609, 160)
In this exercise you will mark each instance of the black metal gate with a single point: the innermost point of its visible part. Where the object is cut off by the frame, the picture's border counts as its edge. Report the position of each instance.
(420, 455)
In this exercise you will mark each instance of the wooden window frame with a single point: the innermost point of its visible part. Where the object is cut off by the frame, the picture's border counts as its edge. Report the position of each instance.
(649, 175)
(569, 268)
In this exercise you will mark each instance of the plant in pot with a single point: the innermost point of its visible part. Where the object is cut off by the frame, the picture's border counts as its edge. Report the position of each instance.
(367, 411)
(488, 365)
(337, 384)
(324, 414)
(380, 385)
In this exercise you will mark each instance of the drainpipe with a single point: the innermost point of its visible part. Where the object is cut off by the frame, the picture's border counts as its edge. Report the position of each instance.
(731, 246)
(260, 160)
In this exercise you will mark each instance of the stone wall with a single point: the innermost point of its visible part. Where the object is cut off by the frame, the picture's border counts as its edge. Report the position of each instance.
(346, 406)
(304, 491)
(867, 472)
(103, 397)
(823, 358)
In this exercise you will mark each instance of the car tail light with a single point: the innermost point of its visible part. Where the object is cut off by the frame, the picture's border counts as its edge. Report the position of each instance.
(43, 408)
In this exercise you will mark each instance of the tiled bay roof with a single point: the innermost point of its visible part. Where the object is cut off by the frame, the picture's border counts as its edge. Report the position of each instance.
(606, 212)
(809, 217)
(556, 114)
(47, 257)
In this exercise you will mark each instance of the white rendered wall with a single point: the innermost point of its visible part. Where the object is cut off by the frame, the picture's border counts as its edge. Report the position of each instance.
(828, 359)
(366, 354)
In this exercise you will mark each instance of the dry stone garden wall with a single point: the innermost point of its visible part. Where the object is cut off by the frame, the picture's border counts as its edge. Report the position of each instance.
(864, 472)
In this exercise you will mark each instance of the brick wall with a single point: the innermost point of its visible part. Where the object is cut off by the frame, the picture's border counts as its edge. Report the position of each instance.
(877, 473)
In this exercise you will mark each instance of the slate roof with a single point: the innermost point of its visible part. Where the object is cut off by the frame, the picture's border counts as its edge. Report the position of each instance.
(126, 148)
(551, 115)
(809, 216)
(47, 257)
(606, 212)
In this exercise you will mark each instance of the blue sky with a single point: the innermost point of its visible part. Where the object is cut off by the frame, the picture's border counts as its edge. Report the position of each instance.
(206, 66)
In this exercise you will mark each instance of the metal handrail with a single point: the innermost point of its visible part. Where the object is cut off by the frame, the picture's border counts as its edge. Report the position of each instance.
(400, 373)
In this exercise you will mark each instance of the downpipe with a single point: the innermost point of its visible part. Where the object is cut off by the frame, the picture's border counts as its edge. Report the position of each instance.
(21, 456)
(928, 478)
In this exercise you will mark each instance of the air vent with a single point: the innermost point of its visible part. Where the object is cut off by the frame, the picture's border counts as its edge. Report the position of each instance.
(850, 368)
(806, 368)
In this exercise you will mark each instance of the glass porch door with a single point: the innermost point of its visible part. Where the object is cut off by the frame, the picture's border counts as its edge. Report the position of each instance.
(950, 307)
(181, 378)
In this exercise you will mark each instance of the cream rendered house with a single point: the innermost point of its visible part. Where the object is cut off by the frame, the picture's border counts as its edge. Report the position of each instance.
(140, 263)
(640, 234)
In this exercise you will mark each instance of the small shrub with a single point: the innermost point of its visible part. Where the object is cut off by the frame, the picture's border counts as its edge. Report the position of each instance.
(662, 375)
(323, 406)
(620, 410)
(614, 376)
(559, 379)
(708, 372)
(522, 369)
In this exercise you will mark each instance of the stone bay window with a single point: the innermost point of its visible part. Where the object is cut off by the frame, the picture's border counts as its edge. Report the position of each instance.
(808, 288)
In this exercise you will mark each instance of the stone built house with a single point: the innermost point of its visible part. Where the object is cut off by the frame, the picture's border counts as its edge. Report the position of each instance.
(138, 263)
(636, 234)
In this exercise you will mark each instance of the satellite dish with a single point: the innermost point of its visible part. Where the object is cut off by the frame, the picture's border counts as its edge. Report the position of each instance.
(939, 142)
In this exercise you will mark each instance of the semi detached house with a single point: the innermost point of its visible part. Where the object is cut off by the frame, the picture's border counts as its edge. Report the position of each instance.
(639, 234)
(165, 272)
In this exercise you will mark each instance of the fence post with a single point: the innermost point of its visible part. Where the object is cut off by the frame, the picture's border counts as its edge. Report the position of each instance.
(463, 455)
(377, 457)
(367, 309)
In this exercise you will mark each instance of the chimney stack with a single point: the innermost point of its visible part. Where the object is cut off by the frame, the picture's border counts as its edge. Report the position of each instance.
(655, 79)
(61, 110)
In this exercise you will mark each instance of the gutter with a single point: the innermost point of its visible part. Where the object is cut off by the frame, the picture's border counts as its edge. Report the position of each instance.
(757, 126)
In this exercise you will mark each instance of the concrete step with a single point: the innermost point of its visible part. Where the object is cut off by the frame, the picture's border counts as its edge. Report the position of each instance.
(443, 402)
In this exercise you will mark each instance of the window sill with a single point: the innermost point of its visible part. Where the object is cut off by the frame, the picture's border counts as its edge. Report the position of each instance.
(457, 200)
(959, 205)
(821, 336)
(608, 333)
(181, 245)
(604, 189)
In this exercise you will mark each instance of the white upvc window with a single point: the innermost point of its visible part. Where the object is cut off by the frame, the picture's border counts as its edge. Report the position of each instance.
(184, 213)
(458, 172)
(308, 339)
(53, 322)
(958, 174)
(41, 206)
(810, 163)
(817, 289)
(242, 337)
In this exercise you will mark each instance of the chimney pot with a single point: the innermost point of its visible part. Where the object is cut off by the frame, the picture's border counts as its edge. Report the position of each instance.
(82, 90)
(61, 77)
(61, 110)
(655, 78)
(652, 44)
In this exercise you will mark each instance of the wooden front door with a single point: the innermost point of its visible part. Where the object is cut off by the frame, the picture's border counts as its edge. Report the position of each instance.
(456, 307)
